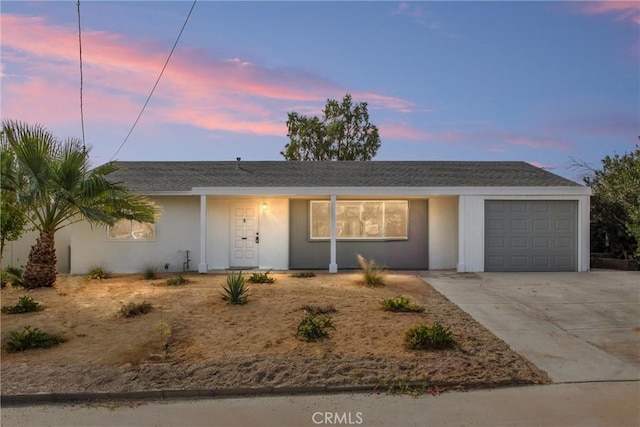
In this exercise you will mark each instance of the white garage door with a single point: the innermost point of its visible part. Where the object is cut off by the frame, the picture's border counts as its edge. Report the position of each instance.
(531, 235)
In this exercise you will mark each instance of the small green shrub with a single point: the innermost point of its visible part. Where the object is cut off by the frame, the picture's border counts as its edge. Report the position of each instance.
(318, 309)
(372, 275)
(135, 308)
(25, 304)
(31, 338)
(236, 291)
(99, 273)
(401, 303)
(150, 271)
(261, 278)
(312, 328)
(3, 279)
(422, 337)
(178, 280)
(13, 275)
(304, 274)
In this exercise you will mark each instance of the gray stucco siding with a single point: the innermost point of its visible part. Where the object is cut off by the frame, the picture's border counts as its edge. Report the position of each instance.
(408, 254)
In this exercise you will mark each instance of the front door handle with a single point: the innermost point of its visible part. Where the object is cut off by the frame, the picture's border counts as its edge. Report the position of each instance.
(257, 238)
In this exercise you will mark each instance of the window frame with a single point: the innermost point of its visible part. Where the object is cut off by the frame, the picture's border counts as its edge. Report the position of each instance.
(362, 202)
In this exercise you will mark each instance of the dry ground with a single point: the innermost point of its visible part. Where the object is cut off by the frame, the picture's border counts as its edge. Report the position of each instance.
(215, 345)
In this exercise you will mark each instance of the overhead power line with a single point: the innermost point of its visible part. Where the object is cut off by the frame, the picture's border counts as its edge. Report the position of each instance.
(84, 147)
(157, 81)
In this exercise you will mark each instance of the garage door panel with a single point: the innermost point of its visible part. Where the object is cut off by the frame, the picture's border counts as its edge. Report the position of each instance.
(530, 235)
(563, 225)
(541, 225)
(541, 261)
(496, 224)
(518, 225)
(518, 261)
(497, 261)
(563, 262)
(517, 207)
(518, 242)
(540, 243)
(564, 208)
(542, 208)
(496, 242)
(564, 242)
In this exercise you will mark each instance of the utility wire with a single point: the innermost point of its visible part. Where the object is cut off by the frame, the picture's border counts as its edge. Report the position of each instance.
(157, 81)
(84, 147)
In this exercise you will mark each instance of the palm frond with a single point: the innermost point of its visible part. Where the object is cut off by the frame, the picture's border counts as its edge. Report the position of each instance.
(59, 185)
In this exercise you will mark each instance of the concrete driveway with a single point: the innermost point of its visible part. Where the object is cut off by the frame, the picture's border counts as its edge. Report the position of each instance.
(575, 326)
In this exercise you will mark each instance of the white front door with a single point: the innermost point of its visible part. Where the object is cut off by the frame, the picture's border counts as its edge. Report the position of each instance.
(244, 235)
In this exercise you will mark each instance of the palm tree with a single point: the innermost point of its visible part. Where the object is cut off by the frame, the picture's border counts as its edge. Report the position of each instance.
(55, 183)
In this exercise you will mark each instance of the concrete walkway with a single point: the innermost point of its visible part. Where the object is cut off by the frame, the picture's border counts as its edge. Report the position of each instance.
(593, 404)
(575, 326)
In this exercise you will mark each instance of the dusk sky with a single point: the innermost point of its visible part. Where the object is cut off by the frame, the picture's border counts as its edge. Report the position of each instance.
(541, 82)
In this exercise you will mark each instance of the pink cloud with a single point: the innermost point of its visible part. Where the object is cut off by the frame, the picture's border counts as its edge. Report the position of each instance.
(620, 10)
(496, 137)
(385, 102)
(198, 87)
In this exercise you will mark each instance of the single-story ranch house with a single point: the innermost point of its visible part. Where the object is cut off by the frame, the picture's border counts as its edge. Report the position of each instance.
(468, 216)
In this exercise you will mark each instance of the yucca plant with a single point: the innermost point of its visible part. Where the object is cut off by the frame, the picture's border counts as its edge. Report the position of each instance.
(236, 291)
(372, 275)
(150, 271)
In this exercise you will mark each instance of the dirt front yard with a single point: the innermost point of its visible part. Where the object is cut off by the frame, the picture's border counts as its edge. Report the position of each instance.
(212, 345)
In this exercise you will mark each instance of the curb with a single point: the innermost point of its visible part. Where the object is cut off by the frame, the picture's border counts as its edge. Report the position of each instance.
(43, 398)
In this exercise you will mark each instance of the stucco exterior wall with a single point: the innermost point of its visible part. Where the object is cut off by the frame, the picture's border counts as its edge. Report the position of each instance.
(443, 233)
(16, 253)
(176, 230)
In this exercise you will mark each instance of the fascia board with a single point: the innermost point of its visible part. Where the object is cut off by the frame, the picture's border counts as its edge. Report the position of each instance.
(391, 191)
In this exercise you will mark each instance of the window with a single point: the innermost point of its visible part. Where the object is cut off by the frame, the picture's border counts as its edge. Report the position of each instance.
(127, 229)
(360, 219)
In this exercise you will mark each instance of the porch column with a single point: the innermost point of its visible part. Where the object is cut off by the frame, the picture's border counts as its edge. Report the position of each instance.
(333, 266)
(202, 267)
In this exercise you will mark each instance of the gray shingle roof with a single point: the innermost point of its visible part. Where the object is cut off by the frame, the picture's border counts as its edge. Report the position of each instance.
(183, 176)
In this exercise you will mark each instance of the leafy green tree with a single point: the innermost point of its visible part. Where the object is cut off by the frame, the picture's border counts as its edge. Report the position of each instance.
(615, 204)
(57, 188)
(13, 216)
(343, 133)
